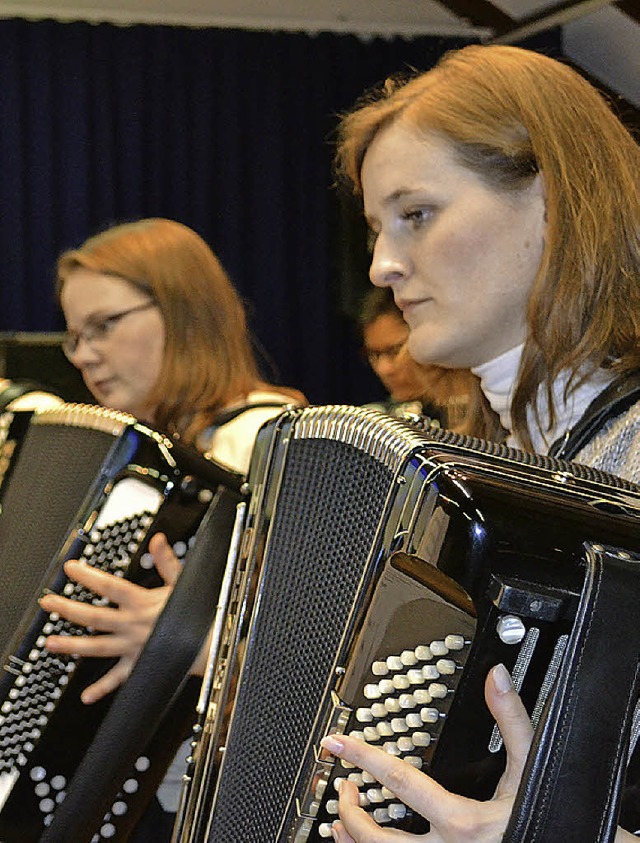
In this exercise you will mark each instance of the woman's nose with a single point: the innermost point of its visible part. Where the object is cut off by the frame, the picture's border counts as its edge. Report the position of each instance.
(387, 263)
(84, 354)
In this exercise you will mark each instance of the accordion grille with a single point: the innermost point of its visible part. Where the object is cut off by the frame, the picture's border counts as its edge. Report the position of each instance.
(316, 556)
(29, 540)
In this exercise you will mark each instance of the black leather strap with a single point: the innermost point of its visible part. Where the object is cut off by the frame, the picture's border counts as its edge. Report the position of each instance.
(570, 790)
(229, 415)
(612, 401)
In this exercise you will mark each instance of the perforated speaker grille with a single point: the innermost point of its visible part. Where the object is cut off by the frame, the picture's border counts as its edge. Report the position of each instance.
(333, 497)
(53, 474)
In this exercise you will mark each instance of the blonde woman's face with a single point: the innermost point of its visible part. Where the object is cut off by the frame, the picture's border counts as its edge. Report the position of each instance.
(119, 338)
(460, 257)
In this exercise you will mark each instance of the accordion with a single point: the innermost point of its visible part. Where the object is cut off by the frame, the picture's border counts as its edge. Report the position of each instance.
(89, 483)
(13, 427)
(384, 568)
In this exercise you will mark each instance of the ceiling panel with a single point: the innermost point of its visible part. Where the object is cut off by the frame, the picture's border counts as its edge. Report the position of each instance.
(599, 36)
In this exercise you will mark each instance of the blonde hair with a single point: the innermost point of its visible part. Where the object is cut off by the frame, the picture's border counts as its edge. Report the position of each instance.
(208, 360)
(508, 114)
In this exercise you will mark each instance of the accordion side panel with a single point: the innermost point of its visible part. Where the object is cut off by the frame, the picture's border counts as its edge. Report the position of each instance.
(314, 562)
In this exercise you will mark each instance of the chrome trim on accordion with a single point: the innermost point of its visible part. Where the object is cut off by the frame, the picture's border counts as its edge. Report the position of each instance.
(370, 540)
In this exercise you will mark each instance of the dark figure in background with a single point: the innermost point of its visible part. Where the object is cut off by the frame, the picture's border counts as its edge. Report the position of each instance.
(444, 395)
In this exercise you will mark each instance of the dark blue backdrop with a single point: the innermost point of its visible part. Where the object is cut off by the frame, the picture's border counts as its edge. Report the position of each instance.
(227, 131)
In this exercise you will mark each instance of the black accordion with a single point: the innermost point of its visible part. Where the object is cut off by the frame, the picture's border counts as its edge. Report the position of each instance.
(384, 569)
(89, 483)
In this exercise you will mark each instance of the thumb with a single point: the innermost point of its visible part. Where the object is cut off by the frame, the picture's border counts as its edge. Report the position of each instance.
(167, 563)
(514, 724)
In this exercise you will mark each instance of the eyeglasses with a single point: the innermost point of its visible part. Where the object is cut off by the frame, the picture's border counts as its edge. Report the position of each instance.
(391, 352)
(97, 332)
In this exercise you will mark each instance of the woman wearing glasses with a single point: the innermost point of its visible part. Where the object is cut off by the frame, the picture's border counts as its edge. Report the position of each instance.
(158, 331)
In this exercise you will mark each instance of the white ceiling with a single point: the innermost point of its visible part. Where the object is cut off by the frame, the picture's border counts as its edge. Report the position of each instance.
(598, 35)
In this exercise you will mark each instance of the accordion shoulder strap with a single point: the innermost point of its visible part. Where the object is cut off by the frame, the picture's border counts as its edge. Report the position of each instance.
(612, 402)
(571, 786)
(227, 416)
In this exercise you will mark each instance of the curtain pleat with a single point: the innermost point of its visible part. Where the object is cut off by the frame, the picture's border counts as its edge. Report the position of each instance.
(227, 131)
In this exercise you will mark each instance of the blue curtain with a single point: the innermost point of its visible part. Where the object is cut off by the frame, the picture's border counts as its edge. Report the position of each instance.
(227, 131)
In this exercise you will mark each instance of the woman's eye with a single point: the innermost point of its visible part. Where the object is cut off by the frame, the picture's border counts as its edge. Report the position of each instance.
(417, 216)
(102, 328)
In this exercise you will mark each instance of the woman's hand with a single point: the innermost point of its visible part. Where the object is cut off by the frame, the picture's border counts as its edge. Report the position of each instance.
(126, 625)
(453, 819)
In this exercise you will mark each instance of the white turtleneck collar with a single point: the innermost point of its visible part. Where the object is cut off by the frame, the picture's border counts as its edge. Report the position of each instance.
(498, 378)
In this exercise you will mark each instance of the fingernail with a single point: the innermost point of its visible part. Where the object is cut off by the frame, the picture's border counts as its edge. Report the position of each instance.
(502, 679)
(331, 743)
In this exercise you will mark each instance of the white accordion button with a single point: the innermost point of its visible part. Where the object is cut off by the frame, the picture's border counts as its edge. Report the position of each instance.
(408, 658)
(429, 715)
(394, 663)
(447, 667)
(405, 744)
(384, 729)
(397, 811)
(379, 669)
(421, 738)
(423, 653)
(454, 642)
(364, 715)
(439, 648)
(430, 672)
(438, 691)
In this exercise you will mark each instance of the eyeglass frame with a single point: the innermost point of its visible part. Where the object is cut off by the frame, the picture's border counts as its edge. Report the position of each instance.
(373, 356)
(98, 330)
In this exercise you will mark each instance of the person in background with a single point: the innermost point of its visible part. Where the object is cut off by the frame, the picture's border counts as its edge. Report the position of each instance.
(441, 394)
(158, 331)
(503, 196)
